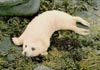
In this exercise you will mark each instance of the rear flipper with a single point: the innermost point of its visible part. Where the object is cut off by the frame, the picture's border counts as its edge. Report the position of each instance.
(82, 21)
(81, 31)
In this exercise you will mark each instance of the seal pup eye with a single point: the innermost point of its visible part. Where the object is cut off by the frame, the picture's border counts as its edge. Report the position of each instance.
(25, 46)
(33, 49)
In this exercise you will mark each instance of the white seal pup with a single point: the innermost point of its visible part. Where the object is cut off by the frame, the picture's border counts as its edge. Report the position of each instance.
(36, 37)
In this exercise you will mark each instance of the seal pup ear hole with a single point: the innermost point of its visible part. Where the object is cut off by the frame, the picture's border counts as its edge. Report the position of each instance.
(32, 49)
(25, 46)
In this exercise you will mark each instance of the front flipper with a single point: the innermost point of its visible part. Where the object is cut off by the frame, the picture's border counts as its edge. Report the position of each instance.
(44, 53)
(17, 41)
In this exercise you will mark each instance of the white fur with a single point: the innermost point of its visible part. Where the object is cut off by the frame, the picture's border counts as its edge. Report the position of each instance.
(40, 29)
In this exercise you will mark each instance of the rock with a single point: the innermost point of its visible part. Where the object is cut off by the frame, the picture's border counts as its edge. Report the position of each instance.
(11, 2)
(43, 68)
(6, 45)
(19, 7)
(11, 57)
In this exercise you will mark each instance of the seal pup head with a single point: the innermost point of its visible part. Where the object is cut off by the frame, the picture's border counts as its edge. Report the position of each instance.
(33, 49)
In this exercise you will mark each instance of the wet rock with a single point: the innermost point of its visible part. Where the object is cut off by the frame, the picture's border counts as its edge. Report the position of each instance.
(19, 7)
(43, 68)
(11, 57)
